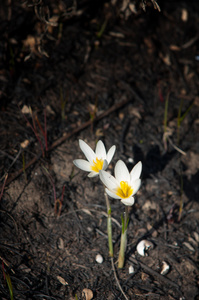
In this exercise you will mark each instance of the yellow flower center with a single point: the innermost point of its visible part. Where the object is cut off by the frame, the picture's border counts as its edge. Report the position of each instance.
(124, 191)
(98, 164)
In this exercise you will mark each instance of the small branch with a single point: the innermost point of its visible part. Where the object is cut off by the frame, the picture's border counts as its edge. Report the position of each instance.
(175, 147)
(116, 279)
(88, 123)
(3, 186)
(45, 128)
(150, 271)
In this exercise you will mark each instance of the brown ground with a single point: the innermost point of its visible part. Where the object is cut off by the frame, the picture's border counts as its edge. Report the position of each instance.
(98, 63)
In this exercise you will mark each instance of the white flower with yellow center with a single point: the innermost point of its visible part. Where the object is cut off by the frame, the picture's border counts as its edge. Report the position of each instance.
(124, 185)
(96, 161)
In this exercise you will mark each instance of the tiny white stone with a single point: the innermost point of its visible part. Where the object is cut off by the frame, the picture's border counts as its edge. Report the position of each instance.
(165, 268)
(130, 160)
(131, 269)
(99, 259)
(89, 229)
(144, 245)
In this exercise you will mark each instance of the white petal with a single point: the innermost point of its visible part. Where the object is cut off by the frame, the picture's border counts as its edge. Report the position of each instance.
(82, 164)
(100, 150)
(136, 185)
(128, 201)
(93, 174)
(136, 171)
(112, 194)
(88, 152)
(108, 180)
(121, 171)
(110, 154)
(105, 165)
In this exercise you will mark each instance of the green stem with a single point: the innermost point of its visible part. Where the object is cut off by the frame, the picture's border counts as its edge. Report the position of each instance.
(123, 242)
(109, 225)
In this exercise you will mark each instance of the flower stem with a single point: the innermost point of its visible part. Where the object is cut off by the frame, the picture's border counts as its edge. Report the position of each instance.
(123, 242)
(109, 225)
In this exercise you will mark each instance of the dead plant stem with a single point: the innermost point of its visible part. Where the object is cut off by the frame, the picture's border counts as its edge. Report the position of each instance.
(116, 279)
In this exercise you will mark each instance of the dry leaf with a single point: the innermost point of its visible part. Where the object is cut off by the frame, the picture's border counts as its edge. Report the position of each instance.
(196, 101)
(30, 41)
(192, 241)
(196, 236)
(53, 21)
(184, 15)
(49, 110)
(25, 144)
(99, 132)
(132, 8)
(25, 109)
(144, 276)
(166, 59)
(88, 294)
(121, 116)
(135, 112)
(60, 243)
(87, 211)
(117, 34)
(62, 280)
(174, 48)
(154, 232)
(189, 246)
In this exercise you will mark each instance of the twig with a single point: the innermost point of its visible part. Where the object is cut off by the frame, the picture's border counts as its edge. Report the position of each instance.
(154, 273)
(116, 279)
(3, 186)
(16, 174)
(86, 124)
(7, 264)
(45, 128)
(14, 161)
(5, 212)
(175, 147)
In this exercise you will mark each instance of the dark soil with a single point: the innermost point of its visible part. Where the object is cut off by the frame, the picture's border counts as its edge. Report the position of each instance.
(102, 72)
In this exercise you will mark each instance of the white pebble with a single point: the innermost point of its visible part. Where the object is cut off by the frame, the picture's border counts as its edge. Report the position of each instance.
(144, 245)
(130, 160)
(131, 269)
(99, 259)
(165, 268)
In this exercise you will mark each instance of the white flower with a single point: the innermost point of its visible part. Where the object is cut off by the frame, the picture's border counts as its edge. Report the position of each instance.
(96, 161)
(124, 185)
